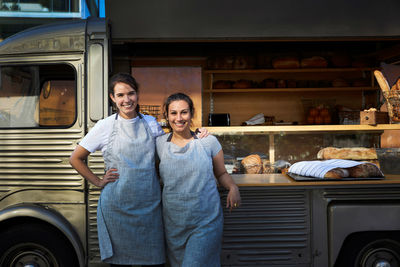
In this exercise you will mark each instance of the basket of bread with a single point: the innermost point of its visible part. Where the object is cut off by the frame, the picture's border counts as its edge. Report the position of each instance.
(389, 82)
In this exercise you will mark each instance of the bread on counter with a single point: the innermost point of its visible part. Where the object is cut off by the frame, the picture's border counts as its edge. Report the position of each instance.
(353, 153)
(365, 170)
(336, 169)
(252, 164)
(337, 173)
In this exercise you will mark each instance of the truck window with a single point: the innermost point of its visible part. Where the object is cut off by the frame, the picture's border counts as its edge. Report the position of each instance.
(37, 96)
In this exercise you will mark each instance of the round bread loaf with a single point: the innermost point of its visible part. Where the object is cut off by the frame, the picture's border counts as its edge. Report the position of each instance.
(252, 164)
(365, 170)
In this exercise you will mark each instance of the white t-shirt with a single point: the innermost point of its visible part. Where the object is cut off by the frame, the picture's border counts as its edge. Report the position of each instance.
(97, 137)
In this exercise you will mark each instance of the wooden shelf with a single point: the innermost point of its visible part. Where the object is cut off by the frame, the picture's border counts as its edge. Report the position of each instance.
(255, 71)
(301, 129)
(275, 90)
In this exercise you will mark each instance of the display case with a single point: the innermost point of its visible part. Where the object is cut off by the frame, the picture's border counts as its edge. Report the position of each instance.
(295, 142)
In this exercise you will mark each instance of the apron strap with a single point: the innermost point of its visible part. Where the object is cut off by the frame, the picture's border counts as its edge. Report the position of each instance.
(192, 133)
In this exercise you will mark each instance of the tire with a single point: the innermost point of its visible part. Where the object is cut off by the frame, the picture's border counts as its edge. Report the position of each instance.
(35, 245)
(370, 250)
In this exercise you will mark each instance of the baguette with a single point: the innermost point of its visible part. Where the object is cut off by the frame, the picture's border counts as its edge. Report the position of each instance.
(353, 153)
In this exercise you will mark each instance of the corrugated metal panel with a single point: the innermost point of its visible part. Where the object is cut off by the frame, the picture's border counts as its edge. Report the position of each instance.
(38, 158)
(272, 227)
(96, 164)
(362, 193)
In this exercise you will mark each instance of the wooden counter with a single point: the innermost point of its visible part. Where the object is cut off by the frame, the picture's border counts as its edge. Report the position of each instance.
(284, 180)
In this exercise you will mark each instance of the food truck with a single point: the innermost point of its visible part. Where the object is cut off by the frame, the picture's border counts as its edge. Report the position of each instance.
(269, 85)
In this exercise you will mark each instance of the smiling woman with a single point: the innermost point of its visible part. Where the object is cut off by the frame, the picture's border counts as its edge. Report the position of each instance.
(192, 210)
(129, 220)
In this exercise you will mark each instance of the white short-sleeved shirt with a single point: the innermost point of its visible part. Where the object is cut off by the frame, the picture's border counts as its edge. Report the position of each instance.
(97, 138)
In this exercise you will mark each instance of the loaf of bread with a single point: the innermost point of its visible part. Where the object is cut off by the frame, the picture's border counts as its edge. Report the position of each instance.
(242, 84)
(396, 85)
(252, 164)
(337, 173)
(364, 170)
(353, 153)
(267, 167)
(288, 62)
(314, 62)
(222, 84)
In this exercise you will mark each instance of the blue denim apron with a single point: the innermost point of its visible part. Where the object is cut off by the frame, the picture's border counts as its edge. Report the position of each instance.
(192, 209)
(129, 218)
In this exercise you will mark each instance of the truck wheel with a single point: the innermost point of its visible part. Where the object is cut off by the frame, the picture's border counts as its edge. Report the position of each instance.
(370, 251)
(380, 253)
(35, 245)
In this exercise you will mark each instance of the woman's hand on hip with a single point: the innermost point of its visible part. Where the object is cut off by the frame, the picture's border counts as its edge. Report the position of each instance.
(110, 176)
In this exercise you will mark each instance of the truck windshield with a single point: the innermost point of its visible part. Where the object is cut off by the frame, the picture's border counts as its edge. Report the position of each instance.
(37, 96)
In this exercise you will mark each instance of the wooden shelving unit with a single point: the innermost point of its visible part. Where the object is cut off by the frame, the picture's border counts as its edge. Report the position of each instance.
(250, 100)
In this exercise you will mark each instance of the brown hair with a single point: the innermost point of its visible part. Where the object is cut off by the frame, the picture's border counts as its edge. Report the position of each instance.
(177, 97)
(126, 78)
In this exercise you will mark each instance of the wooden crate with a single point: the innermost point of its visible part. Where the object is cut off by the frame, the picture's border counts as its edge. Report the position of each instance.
(373, 117)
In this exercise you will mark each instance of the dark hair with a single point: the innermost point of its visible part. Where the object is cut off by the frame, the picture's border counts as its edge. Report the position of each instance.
(177, 97)
(123, 77)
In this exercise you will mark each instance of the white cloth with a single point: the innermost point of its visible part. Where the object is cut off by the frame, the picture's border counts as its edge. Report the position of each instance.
(318, 169)
(97, 137)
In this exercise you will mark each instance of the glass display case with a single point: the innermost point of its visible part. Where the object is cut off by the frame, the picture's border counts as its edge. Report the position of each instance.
(278, 146)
